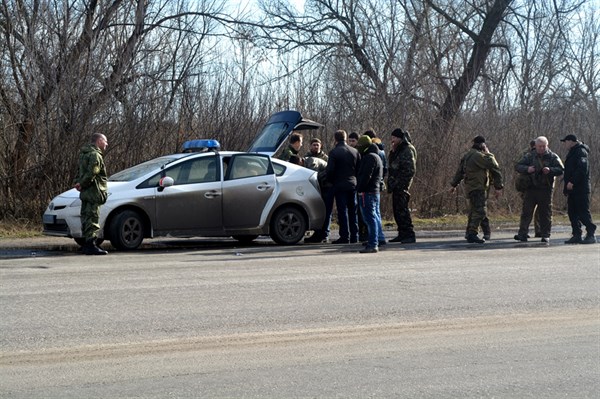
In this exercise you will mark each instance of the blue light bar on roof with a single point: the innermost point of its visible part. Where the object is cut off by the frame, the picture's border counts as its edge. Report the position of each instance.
(201, 145)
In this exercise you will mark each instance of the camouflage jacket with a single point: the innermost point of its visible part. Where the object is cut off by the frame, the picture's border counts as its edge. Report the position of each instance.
(475, 169)
(401, 166)
(92, 175)
(547, 159)
(287, 153)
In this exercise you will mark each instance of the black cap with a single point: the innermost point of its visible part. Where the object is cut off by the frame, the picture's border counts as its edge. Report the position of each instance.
(398, 133)
(479, 140)
(569, 137)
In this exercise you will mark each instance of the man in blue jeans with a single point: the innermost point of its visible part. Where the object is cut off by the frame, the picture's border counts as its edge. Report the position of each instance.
(369, 178)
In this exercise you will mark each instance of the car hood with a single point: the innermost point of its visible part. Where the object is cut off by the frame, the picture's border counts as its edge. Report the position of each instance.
(277, 129)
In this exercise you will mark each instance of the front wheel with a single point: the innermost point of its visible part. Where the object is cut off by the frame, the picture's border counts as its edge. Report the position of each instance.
(127, 230)
(288, 226)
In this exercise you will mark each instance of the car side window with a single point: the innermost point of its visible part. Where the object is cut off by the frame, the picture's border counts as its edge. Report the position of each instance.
(203, 170)
(200, 170)
(243, 166)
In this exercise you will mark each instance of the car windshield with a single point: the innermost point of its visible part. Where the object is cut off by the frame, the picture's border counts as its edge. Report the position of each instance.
(271, 137)
(142, 169)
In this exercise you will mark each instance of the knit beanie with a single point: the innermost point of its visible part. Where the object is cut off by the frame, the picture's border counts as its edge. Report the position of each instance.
(363, 143)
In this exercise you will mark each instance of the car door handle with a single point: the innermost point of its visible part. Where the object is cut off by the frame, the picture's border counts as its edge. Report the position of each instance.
(263, 187)
(212, 194)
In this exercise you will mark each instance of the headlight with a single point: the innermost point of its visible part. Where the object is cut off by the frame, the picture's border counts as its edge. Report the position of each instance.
(77, 202)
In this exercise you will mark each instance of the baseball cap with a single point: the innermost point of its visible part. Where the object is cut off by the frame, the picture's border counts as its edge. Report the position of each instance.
(569, 137)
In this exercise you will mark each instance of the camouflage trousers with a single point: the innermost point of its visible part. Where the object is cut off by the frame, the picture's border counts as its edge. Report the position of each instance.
(477, 211)
(400, 199)
(90, 219)
(485, 222)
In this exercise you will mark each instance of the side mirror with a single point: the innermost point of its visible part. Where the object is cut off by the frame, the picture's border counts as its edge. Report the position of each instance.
(165, 182)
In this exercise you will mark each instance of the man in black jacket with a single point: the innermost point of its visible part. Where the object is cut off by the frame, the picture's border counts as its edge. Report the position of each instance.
(577, 189)
(341, 172)
(369, 179)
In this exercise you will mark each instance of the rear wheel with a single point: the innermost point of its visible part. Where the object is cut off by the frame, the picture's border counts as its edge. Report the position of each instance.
(126, 230)
(288, 226)
(245, 239)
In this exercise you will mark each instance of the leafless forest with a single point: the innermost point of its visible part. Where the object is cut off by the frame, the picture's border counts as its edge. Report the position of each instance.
(153, 73)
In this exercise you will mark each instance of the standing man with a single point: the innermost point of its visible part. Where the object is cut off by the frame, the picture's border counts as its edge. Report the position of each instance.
(93, 191)
(543, 166)
(353, 139)
(402, 164)
(341, 173)
(476, 166)
(369, 178)
(293, 148)
(577, 189)
(315, 150)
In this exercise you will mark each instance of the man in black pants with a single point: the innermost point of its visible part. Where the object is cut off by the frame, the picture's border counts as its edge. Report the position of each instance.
(577, 189)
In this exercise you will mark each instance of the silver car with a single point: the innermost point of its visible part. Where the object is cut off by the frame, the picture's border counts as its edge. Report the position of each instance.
(211, 193)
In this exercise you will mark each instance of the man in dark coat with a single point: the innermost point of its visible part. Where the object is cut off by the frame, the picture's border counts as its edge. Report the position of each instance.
(369, 179)
(577, 189)
(341, 173)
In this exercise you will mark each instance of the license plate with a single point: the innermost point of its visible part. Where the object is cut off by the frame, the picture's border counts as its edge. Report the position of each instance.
(49, 219)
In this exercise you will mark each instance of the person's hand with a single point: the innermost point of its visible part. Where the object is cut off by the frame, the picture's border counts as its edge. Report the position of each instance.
(569, 186)
(77, 186)
(546, 170)
(531, 169)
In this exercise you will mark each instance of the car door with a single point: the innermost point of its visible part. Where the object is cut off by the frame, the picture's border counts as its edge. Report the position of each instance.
(249, 190)
(194, 202)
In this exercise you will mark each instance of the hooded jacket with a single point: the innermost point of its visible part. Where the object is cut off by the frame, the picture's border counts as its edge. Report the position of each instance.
(92, 175)
(577, 170)
(402, 164)
(370, 171)
(474, 167)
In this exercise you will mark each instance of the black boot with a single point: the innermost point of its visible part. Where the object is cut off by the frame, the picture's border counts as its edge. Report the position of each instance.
(473, 239)
(90, 248)
(574, 240)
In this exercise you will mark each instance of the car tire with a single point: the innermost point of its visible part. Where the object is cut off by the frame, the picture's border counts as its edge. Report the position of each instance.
(245, 239)
(126, 230)
(288, 226)
(81, 241)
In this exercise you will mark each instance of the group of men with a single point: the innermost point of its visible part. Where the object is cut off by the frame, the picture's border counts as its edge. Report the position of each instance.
(352, 176)
(537, 170)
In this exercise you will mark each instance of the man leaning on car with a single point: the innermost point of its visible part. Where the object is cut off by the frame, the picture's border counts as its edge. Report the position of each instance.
(93, 191)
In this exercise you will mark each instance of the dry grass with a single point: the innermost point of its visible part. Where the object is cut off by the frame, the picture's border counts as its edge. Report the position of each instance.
(19, 228)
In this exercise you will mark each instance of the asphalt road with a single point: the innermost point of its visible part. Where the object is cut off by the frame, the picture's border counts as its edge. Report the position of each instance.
(197, 318)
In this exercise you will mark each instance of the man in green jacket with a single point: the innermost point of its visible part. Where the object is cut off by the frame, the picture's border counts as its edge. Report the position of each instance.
(295, 143)
(402, 164)
(93, 191)
(542, 165)
(476, 168)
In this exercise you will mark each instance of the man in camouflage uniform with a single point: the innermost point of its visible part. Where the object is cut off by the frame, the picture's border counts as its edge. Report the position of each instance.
(542, 165)
(315, 150)
(402, 163)
(91, 183)
(295, 143)
(476, 168)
